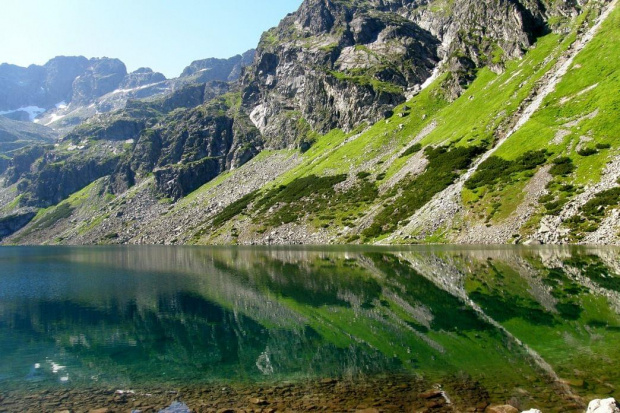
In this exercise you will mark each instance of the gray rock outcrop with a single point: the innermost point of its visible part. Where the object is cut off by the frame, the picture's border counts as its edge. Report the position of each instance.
(603, 406)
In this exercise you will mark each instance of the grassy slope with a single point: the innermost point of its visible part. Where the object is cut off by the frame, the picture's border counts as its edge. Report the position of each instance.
(584, 108)
(479, 117)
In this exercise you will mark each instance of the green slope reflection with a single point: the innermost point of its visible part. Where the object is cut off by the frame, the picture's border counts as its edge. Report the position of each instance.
(536, 324)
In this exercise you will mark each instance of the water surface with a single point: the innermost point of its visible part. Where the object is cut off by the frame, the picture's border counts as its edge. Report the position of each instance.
(541, 325)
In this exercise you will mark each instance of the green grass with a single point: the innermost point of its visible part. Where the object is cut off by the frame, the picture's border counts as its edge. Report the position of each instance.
(582, 92)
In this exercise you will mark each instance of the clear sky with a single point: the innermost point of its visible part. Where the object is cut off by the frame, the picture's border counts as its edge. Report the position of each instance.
(165, 35)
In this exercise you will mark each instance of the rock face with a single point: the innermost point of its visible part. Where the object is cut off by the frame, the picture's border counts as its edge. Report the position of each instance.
(22, 162)
(141, 77)
(603, 406)
(51, 182)
(193, 148)
(67, 91)
(62, 79)
(336, 64)
(13, 223)
(41, 86)
(102, 76)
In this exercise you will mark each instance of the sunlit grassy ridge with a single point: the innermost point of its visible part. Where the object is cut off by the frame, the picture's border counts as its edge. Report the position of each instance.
(479, 118)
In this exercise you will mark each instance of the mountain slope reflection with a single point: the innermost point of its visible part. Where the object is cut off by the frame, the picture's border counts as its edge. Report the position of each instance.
(533, 319)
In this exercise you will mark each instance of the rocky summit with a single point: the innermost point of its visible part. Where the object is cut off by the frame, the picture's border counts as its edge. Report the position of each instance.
(353, 121)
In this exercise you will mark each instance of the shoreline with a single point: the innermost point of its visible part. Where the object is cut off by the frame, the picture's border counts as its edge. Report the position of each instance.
(394, 393)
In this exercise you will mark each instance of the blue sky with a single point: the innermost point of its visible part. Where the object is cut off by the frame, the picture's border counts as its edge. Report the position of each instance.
(165, 35)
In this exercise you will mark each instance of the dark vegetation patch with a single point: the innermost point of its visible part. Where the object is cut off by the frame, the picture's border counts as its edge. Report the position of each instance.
(443, 168)
(503, 306)
(314, 196)
(62, 211)
(320, 283)
(559, 193)
(566, 291)
(411, 150)
(562, 166)
(592, 267)
(234, 209)
(495, 169)
(308, 195)
(587, 151)
(300, 188)
(592, 212)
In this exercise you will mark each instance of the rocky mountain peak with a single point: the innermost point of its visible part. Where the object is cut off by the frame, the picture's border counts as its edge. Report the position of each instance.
(102, 76)
(211, 69)
(141, 77)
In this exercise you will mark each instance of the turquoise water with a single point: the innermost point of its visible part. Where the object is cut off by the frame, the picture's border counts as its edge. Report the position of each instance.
(522, 322)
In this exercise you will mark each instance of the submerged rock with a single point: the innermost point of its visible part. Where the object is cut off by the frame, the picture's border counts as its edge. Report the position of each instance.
(176, 407)
(603, 406)
(502, 409)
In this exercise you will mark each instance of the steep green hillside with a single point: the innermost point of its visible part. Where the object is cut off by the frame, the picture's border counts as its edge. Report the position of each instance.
(390, 175)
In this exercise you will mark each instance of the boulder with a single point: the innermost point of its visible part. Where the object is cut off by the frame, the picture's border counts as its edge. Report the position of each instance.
(603, 406)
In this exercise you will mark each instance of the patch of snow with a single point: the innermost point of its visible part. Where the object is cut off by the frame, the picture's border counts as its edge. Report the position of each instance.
(419, 88)
(117, 91)
(61, 105)
(53, 118)
(32, 111)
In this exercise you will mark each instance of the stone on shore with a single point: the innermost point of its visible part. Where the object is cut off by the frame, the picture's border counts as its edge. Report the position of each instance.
(603, 406)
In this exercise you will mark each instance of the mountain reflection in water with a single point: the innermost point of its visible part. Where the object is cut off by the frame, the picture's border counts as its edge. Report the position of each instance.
(513, 319)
